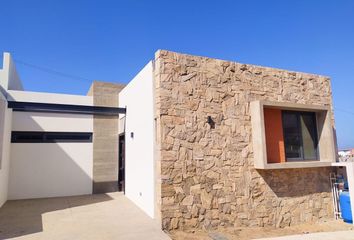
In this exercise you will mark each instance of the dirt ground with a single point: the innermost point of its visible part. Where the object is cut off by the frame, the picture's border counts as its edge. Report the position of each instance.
(265, 232)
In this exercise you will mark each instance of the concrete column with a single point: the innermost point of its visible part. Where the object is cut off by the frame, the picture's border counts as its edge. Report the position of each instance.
(105, 138)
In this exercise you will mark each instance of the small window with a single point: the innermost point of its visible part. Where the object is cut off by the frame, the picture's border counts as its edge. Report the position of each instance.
(50, 137)
(300, 135)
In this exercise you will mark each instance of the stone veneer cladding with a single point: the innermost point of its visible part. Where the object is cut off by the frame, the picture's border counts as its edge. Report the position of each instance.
(105, 138)
(205, 176)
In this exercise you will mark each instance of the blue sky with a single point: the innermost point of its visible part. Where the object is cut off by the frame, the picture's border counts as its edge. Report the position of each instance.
(112, 40)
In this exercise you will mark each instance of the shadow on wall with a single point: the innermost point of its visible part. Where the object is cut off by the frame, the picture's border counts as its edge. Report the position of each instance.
(297, 182)
(45, 170)
(22, 217)
(49, 169)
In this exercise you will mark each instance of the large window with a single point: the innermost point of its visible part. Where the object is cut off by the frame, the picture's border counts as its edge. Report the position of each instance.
(300, 135)
(291, 135)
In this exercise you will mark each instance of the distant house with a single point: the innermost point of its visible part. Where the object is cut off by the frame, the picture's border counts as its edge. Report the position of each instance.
(193, 141)
(344, 155)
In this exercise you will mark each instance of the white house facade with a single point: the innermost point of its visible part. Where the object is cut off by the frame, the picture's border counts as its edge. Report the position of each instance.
(194, 142)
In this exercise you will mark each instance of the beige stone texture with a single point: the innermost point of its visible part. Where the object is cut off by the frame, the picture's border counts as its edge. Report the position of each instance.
(105, 138)
(205, 172)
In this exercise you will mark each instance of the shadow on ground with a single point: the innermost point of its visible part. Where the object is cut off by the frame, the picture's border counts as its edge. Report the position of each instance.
(22, 217)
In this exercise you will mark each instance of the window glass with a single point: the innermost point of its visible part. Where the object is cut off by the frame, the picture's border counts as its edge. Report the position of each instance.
(27, 137)
(309, 139)
(292, 137)
(300, 135)
(67, 137)
(50, 137)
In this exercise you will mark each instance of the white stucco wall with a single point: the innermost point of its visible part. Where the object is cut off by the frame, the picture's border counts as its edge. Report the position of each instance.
(10, 78)
(35, 170)
(5, 133)
(41, 97)
(137, 96)
(50, 169)
(53, 122)
(2, 78)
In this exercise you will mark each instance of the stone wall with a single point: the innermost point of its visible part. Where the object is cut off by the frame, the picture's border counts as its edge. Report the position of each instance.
(205, 171)
(105, 138)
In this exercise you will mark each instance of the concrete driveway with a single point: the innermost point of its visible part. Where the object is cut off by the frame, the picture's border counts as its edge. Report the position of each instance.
(99, 217)
(342, 235)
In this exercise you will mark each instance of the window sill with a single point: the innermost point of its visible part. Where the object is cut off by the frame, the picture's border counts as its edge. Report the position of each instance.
(304, 164)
